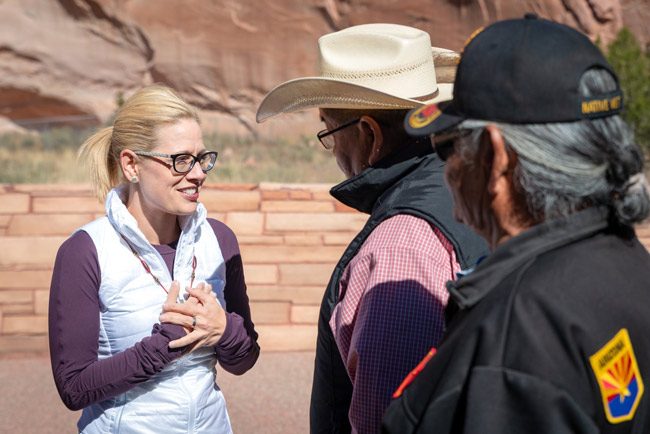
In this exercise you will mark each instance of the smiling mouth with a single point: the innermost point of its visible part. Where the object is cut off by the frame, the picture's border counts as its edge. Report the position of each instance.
(191, 193)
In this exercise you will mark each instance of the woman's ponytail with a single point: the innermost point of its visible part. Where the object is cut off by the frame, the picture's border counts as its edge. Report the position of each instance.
(102, 165)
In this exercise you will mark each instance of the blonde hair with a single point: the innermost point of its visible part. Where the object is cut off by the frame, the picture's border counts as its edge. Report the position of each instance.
(133, 128)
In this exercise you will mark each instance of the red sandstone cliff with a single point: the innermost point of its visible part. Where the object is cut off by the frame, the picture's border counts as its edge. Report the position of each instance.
(71, 59)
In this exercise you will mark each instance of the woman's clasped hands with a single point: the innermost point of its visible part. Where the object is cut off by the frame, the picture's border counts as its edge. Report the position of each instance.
(201, 315)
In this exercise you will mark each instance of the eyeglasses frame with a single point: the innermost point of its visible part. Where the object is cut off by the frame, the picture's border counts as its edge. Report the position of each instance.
(195, 159)
(324, 133)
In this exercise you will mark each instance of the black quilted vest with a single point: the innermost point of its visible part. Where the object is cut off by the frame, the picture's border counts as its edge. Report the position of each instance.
(412, 186)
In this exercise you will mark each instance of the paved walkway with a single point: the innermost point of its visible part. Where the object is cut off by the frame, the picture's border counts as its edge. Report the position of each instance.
(272, 398)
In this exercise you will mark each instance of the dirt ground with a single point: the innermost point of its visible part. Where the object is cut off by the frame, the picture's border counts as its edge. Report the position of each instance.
(271, 398)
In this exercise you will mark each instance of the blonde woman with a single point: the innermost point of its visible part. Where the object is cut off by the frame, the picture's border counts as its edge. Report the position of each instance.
(146, 299)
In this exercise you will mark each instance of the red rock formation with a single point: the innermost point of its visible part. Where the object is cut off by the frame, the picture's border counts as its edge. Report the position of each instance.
(75, 57)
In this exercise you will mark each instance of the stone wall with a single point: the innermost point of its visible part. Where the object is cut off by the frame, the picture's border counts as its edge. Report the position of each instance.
(290, 236)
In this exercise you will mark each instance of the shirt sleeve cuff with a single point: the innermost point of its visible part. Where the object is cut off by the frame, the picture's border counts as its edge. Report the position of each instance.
(226, 337)
(170, 332)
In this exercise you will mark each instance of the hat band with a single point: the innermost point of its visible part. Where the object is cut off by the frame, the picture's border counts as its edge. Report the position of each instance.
(427, 97)
(377, 74)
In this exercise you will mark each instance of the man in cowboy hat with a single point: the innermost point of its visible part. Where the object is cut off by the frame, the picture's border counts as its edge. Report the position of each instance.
(549, 333)
(383, 307)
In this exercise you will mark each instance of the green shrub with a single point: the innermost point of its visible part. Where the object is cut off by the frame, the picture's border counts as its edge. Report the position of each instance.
(632, 65)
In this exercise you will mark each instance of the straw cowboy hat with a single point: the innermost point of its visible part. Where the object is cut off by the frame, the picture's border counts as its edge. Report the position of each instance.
(371, 66)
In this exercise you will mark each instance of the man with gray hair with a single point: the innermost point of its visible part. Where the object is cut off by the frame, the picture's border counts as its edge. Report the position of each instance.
(550, 332)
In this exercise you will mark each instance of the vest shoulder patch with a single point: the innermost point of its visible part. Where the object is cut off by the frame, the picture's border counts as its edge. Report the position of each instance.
(619, 378)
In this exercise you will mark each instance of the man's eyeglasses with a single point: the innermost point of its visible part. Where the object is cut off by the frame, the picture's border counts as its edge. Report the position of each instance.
(327, 139)
(445, 144)
(184, 162)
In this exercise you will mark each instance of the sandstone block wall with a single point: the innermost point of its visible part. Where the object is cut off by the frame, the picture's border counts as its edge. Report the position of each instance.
(291, 236)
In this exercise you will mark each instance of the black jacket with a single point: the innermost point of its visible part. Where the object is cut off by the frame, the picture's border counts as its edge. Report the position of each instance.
(528, 322)
(400, 184)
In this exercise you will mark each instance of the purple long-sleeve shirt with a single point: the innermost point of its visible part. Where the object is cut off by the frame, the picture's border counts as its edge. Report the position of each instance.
(80, 377)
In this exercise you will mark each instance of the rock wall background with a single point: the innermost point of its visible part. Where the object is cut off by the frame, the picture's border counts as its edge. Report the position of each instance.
(290, 235)
(71, 60)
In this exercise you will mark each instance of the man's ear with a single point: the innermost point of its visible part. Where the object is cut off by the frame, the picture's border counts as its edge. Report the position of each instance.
(507, 205)
(500, 172)
(373, 138)
(129, 164)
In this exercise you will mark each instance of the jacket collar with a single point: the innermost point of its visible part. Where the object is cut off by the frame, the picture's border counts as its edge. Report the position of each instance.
(469, 290)
(126, 225)
(362, 192)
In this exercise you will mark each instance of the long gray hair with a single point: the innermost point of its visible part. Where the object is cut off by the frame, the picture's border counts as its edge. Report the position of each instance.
(564, 167)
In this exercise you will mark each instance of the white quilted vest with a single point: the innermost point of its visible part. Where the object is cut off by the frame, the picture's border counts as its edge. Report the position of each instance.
(183, 397)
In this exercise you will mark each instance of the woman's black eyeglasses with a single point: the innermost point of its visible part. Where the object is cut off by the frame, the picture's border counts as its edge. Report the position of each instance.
(326, 138)
(184, 162)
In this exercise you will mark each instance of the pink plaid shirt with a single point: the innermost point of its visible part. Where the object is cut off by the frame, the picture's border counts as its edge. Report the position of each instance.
(391, 311)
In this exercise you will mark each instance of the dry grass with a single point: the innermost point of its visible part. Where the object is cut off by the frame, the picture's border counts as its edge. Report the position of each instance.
(51, 158)
(278, 161)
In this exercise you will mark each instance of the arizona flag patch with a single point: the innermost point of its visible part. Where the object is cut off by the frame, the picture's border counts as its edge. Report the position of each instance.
(619, 379)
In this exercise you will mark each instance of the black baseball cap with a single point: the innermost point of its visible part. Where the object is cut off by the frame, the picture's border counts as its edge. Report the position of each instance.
(520, 71)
